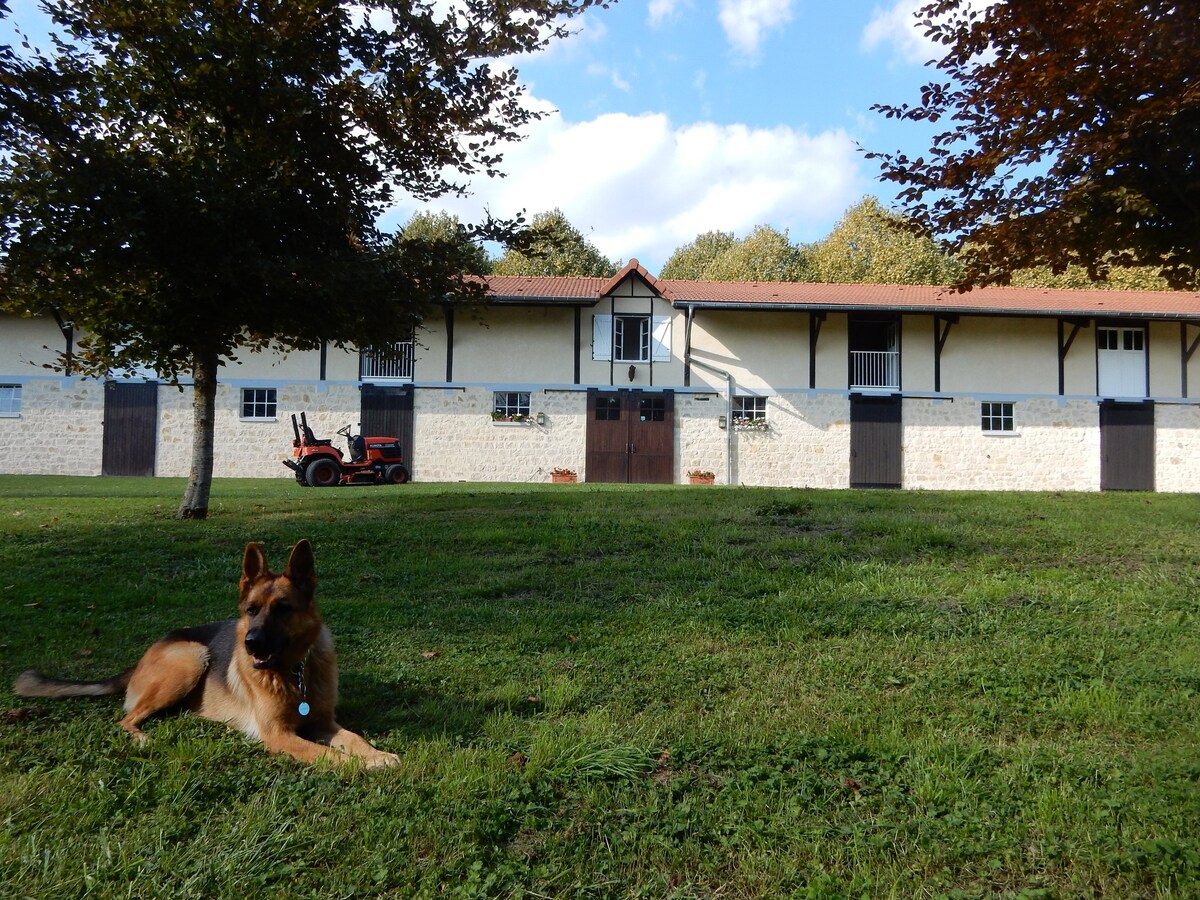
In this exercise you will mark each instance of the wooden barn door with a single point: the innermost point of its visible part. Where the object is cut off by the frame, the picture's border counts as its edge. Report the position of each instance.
(388, 412)
(875, 441)
(631, 437)
(130, 429)
(1126, 446)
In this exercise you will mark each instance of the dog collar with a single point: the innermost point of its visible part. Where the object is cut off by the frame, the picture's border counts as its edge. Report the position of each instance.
(303, 708)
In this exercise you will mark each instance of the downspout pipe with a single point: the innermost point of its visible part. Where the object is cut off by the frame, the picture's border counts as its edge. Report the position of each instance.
(728, 412)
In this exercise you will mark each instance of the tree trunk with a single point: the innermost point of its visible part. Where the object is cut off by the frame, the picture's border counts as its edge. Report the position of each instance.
(204, 402)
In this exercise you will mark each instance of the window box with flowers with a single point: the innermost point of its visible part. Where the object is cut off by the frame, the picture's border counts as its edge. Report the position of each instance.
(511, 408)
(745, 424)
(499, 418)
(563, 476)
(700, 476)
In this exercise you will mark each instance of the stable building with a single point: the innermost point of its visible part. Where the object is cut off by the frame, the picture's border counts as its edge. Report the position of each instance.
(638, 379)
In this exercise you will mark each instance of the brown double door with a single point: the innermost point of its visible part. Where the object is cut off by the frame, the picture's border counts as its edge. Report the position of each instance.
(631, 437)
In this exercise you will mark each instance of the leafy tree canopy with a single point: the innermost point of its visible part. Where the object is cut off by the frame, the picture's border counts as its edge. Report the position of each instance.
(872, 245)
(179, 178)
(1069, 137)
(554, 247)
(765, 254)
(441, 234)
(1128, 278)
(691, 261)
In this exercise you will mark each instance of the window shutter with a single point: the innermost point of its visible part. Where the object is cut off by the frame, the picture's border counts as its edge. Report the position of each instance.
(602, 337)
(661, 338)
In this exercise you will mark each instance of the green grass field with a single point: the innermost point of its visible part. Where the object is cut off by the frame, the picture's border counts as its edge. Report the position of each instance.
(624, 692)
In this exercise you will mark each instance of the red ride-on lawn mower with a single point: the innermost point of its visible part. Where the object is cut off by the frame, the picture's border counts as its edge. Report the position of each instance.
(317, 463)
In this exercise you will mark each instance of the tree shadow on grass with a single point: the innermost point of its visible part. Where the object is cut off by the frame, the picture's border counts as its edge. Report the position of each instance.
(416, 713)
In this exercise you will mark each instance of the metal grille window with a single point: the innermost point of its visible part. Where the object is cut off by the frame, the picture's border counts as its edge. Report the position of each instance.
(10, 400)
(749, 411)
(388, 362)
(997, 418)
(259, 403)
(510, 405)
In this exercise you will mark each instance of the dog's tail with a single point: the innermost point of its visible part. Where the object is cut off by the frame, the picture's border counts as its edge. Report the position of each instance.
(35, 684)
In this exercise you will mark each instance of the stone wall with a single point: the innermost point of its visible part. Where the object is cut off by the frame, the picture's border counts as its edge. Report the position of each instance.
(251, 448)
(1177, 448)
(455, 438)
(1056, 446)
(60, 430)
(807, 443)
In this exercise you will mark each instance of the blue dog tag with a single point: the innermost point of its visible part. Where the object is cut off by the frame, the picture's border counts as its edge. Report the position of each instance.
(303, 709)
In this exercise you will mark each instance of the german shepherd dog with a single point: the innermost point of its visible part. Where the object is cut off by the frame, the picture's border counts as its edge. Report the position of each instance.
(272, 673)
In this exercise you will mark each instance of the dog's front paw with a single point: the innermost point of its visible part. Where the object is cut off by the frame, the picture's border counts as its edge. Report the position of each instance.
(383, 760)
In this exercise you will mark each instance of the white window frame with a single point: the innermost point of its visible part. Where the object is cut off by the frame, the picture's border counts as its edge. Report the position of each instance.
(749, 411)
(657, 333)
(510, 405)
(10, 401)
(1002, 412)
(262, 402)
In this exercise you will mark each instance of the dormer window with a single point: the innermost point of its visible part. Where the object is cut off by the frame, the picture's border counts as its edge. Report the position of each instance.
(631, 338)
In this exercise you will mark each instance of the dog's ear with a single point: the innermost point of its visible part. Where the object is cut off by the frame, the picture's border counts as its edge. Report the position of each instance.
(301, 567)
(254, 565)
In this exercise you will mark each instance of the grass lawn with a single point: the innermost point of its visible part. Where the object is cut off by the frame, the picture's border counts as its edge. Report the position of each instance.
(624, 692)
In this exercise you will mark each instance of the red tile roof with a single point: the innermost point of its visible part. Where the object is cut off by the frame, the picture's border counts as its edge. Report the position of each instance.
(536, 287)
(889, 297)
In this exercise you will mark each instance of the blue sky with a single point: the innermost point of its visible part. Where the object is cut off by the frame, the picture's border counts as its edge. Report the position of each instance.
(668, 118)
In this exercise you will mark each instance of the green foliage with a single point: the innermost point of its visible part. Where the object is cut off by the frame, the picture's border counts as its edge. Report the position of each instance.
(1128, 278)
(179, 180)
(442, 234)
(765, 254)
(873, 245)
(691, 262)
(1069, 136)
(807, 694)
(554, 247)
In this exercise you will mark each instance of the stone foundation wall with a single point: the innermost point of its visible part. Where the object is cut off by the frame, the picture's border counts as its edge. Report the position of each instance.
(1055, 447)
(455, 438)
(807, 443)
(60, 430)
(251, 449)
(1177, 448)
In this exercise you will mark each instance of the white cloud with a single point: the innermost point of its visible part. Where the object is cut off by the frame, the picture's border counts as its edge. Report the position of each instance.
(640, 186)
(612, 75)
(661, 10)
(900, 28)
(746, 21)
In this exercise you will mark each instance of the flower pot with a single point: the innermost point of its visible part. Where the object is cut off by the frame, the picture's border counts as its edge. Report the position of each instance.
(564, 479)
(701, 479)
